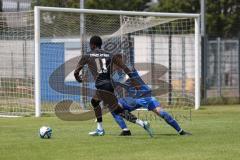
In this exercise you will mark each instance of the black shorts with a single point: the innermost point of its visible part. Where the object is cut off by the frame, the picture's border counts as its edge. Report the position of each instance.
(106, 87)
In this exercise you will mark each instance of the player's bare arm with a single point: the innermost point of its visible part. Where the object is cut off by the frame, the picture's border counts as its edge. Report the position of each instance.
(83, 61)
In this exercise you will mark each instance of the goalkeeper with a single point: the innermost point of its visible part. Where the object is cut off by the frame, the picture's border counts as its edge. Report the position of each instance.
(142, 98)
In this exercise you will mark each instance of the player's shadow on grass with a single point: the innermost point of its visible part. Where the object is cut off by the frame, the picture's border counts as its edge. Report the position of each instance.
(165, 134)
(144, 136)
(155, 134)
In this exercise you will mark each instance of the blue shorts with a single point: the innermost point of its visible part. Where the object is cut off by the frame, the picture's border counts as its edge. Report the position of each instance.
(132, 104)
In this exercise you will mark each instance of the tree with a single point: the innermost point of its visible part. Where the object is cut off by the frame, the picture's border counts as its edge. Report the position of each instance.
(222, 16)
(3, 23)
(1, 6)
(187, 6)
(137, 5)
(53, 3)
(131, 5)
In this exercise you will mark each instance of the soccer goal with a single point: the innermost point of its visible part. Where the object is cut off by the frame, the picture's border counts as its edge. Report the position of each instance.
(163, 47)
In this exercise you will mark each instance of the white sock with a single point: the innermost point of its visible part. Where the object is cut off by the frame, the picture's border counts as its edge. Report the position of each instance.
(99, 126)
(140, 122)
(125, 129)
(180, 131)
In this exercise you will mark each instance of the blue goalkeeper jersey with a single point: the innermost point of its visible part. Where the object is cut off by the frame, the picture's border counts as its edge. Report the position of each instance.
(142, 92)
(137, 98)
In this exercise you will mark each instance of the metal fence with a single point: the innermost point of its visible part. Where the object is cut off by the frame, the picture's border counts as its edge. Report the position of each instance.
(15, 5)
(222, 78)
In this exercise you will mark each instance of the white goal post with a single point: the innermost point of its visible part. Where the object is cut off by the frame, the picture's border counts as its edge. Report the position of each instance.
(37, 25)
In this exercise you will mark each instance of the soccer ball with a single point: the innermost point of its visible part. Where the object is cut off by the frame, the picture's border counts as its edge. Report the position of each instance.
(45, 132)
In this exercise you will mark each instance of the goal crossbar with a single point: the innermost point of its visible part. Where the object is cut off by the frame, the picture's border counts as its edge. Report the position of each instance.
(120, 12)
(38, 9)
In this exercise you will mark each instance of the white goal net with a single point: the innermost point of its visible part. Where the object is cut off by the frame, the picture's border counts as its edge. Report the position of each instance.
(17, 63)
(161, 47)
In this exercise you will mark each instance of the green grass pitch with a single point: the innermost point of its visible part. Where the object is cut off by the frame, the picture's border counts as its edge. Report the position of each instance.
(216, 136)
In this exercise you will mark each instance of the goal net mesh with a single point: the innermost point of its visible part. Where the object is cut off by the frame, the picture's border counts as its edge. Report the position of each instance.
(16, 63)
(160, 48)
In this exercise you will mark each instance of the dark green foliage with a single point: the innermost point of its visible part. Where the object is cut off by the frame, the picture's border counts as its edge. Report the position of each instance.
(137, 5)
(0, 5)
(131, 5)
(222, 16)
(187, 6)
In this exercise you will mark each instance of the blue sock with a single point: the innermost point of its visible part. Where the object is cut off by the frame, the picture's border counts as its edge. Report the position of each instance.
(119, 120)
(169, 119)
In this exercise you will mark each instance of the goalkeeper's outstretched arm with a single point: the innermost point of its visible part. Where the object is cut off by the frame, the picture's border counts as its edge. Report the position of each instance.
(118, 61)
